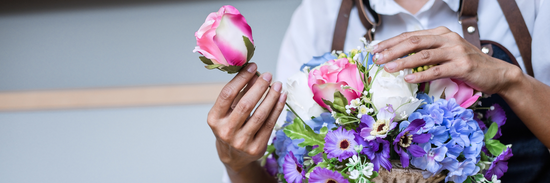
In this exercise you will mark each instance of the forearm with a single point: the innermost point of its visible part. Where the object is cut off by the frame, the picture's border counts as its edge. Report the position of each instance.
(530, 100)
(251, 173)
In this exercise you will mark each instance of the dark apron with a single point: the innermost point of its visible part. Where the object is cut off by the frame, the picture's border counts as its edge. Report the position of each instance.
(531, 160)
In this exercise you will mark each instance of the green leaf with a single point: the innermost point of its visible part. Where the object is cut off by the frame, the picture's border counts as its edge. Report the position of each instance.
(491, 132)
(231, 69)
(484, 156)
(270, 149)
(340, 99)
(213, 66)
(478, 177)
(323, 130)
(249, 48)
(299, 130)
(315, 151)
(329, 103)
(494, 147)
(206, 60)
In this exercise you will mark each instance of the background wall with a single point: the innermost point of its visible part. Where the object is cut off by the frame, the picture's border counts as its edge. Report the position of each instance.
(63, 45)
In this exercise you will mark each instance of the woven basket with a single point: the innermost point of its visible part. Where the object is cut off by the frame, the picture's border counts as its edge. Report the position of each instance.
(399, 174)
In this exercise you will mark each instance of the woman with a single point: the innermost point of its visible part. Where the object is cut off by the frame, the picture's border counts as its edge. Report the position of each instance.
(431, 29)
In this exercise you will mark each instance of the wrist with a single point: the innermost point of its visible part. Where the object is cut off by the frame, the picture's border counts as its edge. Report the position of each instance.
(514, 78)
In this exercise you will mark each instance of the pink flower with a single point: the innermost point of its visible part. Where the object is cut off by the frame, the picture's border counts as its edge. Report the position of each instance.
(331, 77)
(453, 88)
(225, 39)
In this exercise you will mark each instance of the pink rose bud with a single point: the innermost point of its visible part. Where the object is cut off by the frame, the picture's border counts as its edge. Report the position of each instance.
(225, 40)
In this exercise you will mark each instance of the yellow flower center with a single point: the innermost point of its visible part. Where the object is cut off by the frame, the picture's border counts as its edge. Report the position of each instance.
(405, 140)
(381, 127)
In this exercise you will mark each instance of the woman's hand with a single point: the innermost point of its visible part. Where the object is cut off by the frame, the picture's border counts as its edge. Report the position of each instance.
(456, 58)
(241, 137)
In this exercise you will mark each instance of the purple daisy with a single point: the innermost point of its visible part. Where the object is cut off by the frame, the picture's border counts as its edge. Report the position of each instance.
(378, 151)
(371, 129)
(322, 175)
(499, 165)
(340, 144)
(404, 142)
(292, 170)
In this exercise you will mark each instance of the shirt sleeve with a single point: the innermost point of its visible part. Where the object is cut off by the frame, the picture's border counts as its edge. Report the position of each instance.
(541, 43)
(309, 34)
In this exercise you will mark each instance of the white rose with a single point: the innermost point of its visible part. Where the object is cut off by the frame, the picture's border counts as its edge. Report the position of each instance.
(300, 97)
(391, 88)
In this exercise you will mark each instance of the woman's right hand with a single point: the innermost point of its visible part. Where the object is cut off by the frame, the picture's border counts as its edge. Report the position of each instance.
(241, 137)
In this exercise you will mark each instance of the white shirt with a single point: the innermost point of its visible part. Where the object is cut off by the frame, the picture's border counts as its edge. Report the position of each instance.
(312, 27)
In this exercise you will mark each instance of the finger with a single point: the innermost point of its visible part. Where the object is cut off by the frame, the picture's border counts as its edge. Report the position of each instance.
(422, 58)
(410, 45)
(406, 35)
(441, 71)
(241, 94)
(230, 90)
(260, 115)
(248, 102)
(265, 131)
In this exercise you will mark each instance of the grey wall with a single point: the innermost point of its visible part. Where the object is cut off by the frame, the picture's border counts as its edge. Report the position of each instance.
(116, 46)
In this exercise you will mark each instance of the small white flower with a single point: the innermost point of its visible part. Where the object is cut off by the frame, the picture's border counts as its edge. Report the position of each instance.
(367, 171)
(358, 148)
(479, 103)
(363, 110)
(337, 121)
(348, 111)
(348, 107)
(492, 108)
(353, 161)
(494, 179)
(359, 115)
(355, 103)
(366, 93)
(333, 114)
(354, 174)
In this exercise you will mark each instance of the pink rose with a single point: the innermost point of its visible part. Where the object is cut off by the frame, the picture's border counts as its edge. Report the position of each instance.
(331, 77)
(453, 88)
(225, 40)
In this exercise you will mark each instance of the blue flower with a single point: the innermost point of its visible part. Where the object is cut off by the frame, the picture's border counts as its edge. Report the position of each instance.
(431, 161)
(466, 168)
(284, 144)
(324, 119)
(316, 61)
(362, 58)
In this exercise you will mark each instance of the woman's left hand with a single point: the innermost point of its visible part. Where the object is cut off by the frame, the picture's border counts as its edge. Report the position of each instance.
(453, 56)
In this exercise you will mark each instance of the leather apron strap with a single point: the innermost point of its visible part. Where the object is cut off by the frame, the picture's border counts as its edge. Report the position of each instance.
(468, 19)
(342, 22)
(519, 30)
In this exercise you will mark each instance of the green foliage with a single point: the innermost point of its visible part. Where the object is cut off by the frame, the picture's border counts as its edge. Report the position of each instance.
(315, 152)
(299, 130)
(495, 147)
(249, 48)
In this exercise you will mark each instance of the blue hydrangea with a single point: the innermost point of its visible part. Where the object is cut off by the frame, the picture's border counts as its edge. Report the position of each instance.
(283, 144)
(453, 129)
(316, 61)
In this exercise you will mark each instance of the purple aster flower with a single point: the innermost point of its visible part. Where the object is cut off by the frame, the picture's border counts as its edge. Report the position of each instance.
(466, 168)
(371, 129)
(340, 144)
(271, 165)
(497, 115)
(322, 175)
(431, 161)
(404, 141)
(292, 170)
(499, 166)
(378, 151)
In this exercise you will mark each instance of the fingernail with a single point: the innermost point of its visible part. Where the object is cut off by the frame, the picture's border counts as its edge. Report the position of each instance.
(410, 77)
(375, 48)
(252, 68)
(378, 57)
(282, 98)
(391, 66)
(277, 86)
(267, 77)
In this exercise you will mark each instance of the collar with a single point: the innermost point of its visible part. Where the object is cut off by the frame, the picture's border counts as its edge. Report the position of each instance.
(390, 7)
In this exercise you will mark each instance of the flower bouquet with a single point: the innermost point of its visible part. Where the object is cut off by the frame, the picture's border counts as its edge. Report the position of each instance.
(351, 121)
